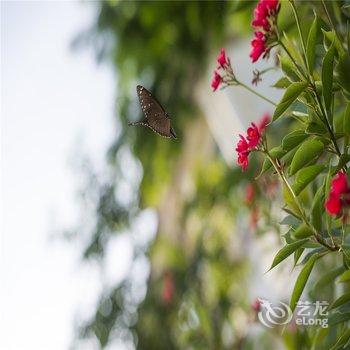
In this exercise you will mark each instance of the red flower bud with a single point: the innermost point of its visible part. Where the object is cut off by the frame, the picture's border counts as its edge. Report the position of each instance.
(216, 81)
(222, 60)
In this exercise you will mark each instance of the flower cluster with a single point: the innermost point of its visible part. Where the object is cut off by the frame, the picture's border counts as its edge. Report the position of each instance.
(264, 22)
(224, 67)
(339, 195)
(250, 142)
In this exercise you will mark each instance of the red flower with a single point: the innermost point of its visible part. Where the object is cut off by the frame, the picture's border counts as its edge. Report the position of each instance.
(333, 204)
(242, 145)
(222, 60)
(264, 11)
(247, 144)
(258, 46)
(264, 24)
(339, 194)
(264, 121)
(272, 5)
(339, 184)
(253, 136)
(216, 81)
(243, 160)
(243, 152)
(261, 13)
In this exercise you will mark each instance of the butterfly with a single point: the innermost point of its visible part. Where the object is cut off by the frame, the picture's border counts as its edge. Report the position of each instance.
(156, 118)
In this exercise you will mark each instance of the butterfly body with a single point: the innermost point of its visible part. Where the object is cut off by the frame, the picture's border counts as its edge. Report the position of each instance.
(156, 117)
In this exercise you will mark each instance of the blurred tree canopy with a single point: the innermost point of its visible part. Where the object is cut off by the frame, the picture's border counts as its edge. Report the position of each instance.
(195, 295)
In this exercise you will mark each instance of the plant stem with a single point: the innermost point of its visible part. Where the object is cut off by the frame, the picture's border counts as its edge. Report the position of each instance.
(326, 122)
(256, 93)
(343, 233)
(316, 235)
(299, 69)
(310, 78)
(300, 32)
(330, 20)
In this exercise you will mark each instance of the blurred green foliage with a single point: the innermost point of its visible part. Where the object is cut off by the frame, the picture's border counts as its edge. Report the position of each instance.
(197, 293)
(166, 46)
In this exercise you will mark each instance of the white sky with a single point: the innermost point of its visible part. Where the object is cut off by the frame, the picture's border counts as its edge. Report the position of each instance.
(51, 97)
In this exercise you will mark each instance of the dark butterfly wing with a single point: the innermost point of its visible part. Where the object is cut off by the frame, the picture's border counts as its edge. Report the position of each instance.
(155, 115)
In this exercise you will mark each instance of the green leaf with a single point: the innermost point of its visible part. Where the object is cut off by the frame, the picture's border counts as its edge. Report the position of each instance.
(308, 151)
(292, 47)
(282, 83)
(338, 318)
(286, 251)
(289, 199)
(346, 256)
(293, 139)
(344, 277)
(311, 44)
(317, 208)
(327, 76)
(292, 213)
(302, 231)
(275, 153)
(300, 114)
(288, 69)
(301, 281)
(342, 340)
(343, 72)
(346, 119)
(331, 38)
(290, 220)
(328, 278)
(311, 253)
(343, 160)
(314, 128)
(292, 93)
(297, 255)
(338, 121)
(319, 337)
(305, 176)
(340, 301)
(327, 190)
